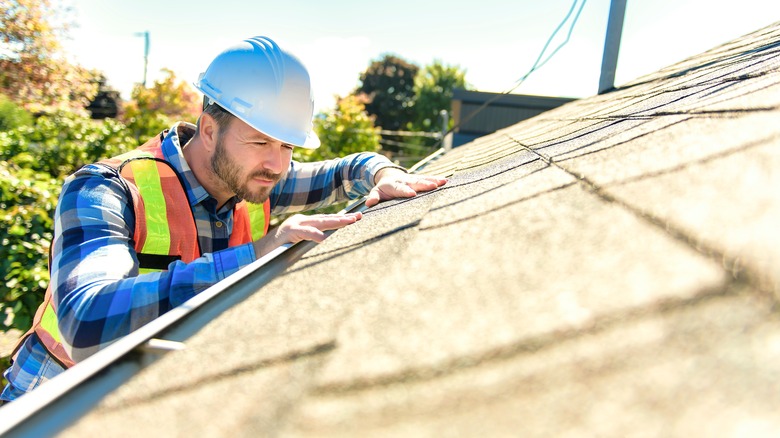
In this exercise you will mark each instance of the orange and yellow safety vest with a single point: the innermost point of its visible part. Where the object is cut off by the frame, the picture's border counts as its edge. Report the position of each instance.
(165, 229)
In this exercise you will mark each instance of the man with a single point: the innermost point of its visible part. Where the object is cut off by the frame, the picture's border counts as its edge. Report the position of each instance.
(140, 234)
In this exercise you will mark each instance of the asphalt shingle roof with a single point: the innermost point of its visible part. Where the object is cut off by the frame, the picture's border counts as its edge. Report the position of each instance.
(608, 268)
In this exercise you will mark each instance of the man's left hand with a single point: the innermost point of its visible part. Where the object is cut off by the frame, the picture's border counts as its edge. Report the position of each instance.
(394, 183)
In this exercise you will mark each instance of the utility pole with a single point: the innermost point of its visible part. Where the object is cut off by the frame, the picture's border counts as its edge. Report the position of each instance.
(446, 139)
(617, 11)
(146, 52)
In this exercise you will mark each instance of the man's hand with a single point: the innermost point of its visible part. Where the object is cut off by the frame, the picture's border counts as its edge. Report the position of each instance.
(303, 227)
(394, 183)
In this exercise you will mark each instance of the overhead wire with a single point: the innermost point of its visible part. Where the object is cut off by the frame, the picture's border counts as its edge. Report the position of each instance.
(401, 144)
(537, 65)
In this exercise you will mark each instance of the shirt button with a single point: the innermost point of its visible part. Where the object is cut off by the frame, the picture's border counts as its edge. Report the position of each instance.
(219, 224)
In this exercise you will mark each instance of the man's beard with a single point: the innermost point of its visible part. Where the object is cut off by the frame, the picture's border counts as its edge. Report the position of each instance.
(229, 172)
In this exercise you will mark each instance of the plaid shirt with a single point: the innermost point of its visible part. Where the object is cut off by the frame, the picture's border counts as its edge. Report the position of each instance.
(99, 293)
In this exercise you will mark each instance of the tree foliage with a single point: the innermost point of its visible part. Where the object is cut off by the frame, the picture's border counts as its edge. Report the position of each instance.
(26, 207)
(402, 97)
(33, 162)
(433, 89)
(345, 130)
(387, 86)
(33, 69)
(12, 115)
(156, 108)
(59, 143)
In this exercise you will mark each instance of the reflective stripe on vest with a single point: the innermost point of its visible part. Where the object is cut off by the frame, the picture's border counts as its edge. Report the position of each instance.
(165, 228)
(158, 235)
(48, 333)
(49, 322)
(258, 217)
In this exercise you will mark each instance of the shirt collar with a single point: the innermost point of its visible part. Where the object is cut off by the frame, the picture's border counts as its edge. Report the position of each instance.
(179, 134)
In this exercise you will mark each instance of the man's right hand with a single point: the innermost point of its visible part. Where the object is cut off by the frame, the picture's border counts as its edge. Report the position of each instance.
(303, 227)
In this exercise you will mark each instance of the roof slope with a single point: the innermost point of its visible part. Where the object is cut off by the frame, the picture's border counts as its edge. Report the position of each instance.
(610, 268)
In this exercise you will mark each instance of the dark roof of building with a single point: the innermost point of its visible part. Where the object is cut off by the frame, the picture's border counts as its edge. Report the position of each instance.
(479, 113)
(608, 268)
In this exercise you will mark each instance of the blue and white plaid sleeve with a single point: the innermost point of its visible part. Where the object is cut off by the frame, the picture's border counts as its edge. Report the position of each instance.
(311, 185)
(99, 293)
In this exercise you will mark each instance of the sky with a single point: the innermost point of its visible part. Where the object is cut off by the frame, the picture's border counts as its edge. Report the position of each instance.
(495, 41)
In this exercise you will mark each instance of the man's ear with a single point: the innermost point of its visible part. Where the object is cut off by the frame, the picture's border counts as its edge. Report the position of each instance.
(208, 130)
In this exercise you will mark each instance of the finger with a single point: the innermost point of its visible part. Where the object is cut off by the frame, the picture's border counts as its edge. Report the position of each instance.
(307, 232)
(437, 180)
(332, 221)
(434, 179)
(401, 189)
(426, 183)
(393, 190)
(373, 197)
(422, 185)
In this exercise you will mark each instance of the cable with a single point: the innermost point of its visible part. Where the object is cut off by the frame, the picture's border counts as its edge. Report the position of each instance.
(537, 65)
(401, 144)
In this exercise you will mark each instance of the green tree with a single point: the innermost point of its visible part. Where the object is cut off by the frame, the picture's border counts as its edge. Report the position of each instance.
(34, 71)
(33, 162)
(27, 201)
(433, 89)
(345, 130)
(58, 144)
(387, 87)
(156, 108)
(12, 115)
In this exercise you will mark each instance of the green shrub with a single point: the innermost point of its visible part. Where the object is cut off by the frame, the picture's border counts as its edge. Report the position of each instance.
(60, 143)
(34, 160)
(143, 126)
(11, 115)
(344, 130)
(27, 201)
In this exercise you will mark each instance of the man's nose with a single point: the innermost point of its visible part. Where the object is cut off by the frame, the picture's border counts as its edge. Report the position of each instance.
(273, 160)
